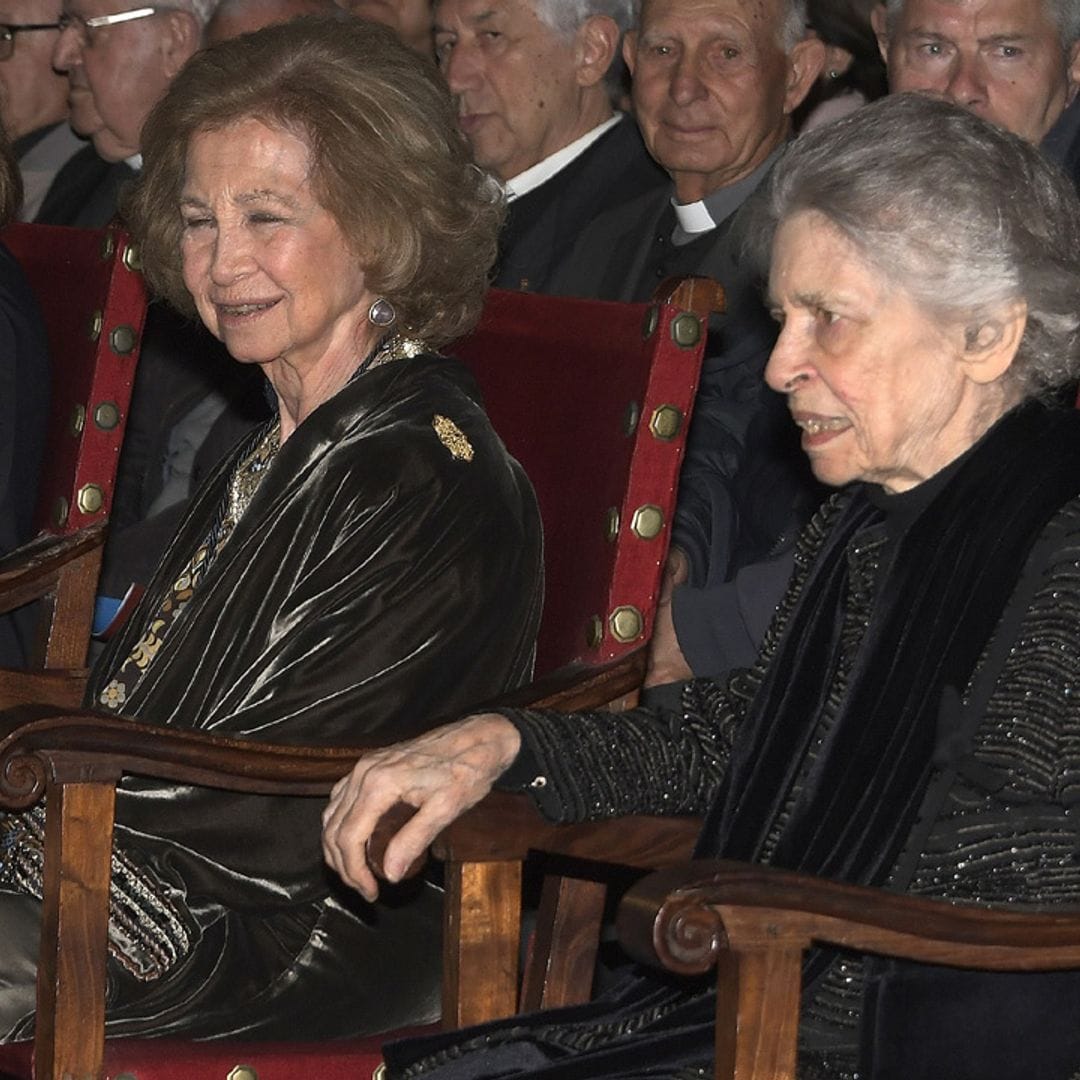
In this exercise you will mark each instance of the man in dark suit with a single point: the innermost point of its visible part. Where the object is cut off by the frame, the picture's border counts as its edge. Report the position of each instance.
(1013, 62)
(714, 85)
(530, 77)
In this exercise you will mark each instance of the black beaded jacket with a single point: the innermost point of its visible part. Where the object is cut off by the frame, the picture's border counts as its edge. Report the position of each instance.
(1001, 829)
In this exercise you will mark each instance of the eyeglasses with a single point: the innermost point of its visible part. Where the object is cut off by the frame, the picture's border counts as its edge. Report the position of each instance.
(8, 32)
(82, 27)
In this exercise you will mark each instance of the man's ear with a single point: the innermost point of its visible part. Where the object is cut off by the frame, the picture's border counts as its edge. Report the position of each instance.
(595, 45)
(879, 20)
(1074, 70)
(629, 50)
(990, 345)
(805, 62)
(181, 40)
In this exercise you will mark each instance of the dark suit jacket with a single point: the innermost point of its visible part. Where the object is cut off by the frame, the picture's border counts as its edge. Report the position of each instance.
(543, 225)
(85, 191)
(1062, 142)
(24, 414)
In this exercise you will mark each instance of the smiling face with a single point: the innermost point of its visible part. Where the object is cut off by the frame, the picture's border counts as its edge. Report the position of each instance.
(523, 91)
(1002, 59)
(713, 88)
(882, 392)
(269, 269)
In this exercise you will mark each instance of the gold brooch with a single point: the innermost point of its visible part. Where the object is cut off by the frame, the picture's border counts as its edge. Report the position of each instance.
(452, 437)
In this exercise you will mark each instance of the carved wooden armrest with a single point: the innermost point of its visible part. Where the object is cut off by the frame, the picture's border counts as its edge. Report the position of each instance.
(33, 569)
(753, 924)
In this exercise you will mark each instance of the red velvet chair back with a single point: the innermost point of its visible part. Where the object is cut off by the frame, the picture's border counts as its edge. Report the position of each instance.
(93, 302)
(592, 398)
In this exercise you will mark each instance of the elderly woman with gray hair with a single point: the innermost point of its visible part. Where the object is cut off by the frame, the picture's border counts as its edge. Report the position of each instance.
(912, 720)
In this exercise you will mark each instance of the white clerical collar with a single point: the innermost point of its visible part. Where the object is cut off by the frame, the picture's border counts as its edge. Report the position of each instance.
(534, 176)
(694, 217)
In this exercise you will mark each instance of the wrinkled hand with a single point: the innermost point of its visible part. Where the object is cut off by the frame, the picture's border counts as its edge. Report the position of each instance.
(442, 773)
(666, 662)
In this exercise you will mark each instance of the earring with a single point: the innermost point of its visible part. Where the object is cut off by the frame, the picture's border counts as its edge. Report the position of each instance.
(381, 312)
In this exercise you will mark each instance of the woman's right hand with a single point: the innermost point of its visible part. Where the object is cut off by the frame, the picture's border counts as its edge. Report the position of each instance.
(442, 773)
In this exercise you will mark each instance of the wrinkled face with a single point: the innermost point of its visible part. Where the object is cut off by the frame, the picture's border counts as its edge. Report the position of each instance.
(115, 74)
(514, 79)
(1002, 59)
(409, 19)
(268, 267)
(878, 388)
(710, 88)
(32, 95)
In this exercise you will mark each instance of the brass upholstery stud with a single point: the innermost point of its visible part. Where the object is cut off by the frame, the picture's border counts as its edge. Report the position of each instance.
(60, 511)
(108, 245)
(91, 498)
(686, 330)
(97, 321)
(106, 415)
(243, 1072)
(652, 319)
(131, 258)
(666, 422)
(631, 417)
(122, 339)
(611, 524)
(594, 633)
(379, 1073)
(78, 419)
(647, 522)
(626, 623)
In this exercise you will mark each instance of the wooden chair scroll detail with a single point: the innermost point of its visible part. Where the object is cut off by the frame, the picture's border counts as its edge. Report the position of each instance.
(754, 923)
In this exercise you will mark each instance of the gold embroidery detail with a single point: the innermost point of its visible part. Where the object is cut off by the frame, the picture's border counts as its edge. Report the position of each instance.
(452, 437)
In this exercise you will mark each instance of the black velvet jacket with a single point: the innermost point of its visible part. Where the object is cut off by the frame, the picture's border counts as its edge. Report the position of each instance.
(386, 573)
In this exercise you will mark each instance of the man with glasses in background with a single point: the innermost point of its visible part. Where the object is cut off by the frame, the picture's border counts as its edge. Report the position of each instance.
(33, 97)
(119, 59)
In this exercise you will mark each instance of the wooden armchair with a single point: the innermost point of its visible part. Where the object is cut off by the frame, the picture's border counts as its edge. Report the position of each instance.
(593, 398)
(93, 302)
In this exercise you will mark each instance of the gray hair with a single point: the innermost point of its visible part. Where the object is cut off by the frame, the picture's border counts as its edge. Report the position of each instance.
(793, 28)
(960, 214)
(566, 17)
(1066, 13)
(201, 9)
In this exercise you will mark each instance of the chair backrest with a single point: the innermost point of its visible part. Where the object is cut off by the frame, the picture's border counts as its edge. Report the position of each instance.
(93, 301)
(593, 399)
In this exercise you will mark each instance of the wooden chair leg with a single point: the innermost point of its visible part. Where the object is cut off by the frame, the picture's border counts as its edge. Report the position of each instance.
(757, 1013)
(69, 613)
(481, 942)
(562, 959)
(69, 1041)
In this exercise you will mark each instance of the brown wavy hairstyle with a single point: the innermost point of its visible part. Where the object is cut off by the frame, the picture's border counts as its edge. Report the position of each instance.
(11, 185)
(388, 162)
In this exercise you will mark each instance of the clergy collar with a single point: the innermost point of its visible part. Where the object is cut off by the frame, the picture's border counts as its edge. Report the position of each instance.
(534, 176)
(700, 217)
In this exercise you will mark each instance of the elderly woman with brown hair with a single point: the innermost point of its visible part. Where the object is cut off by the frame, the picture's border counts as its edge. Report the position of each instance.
(366, 561)
(912, 720)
